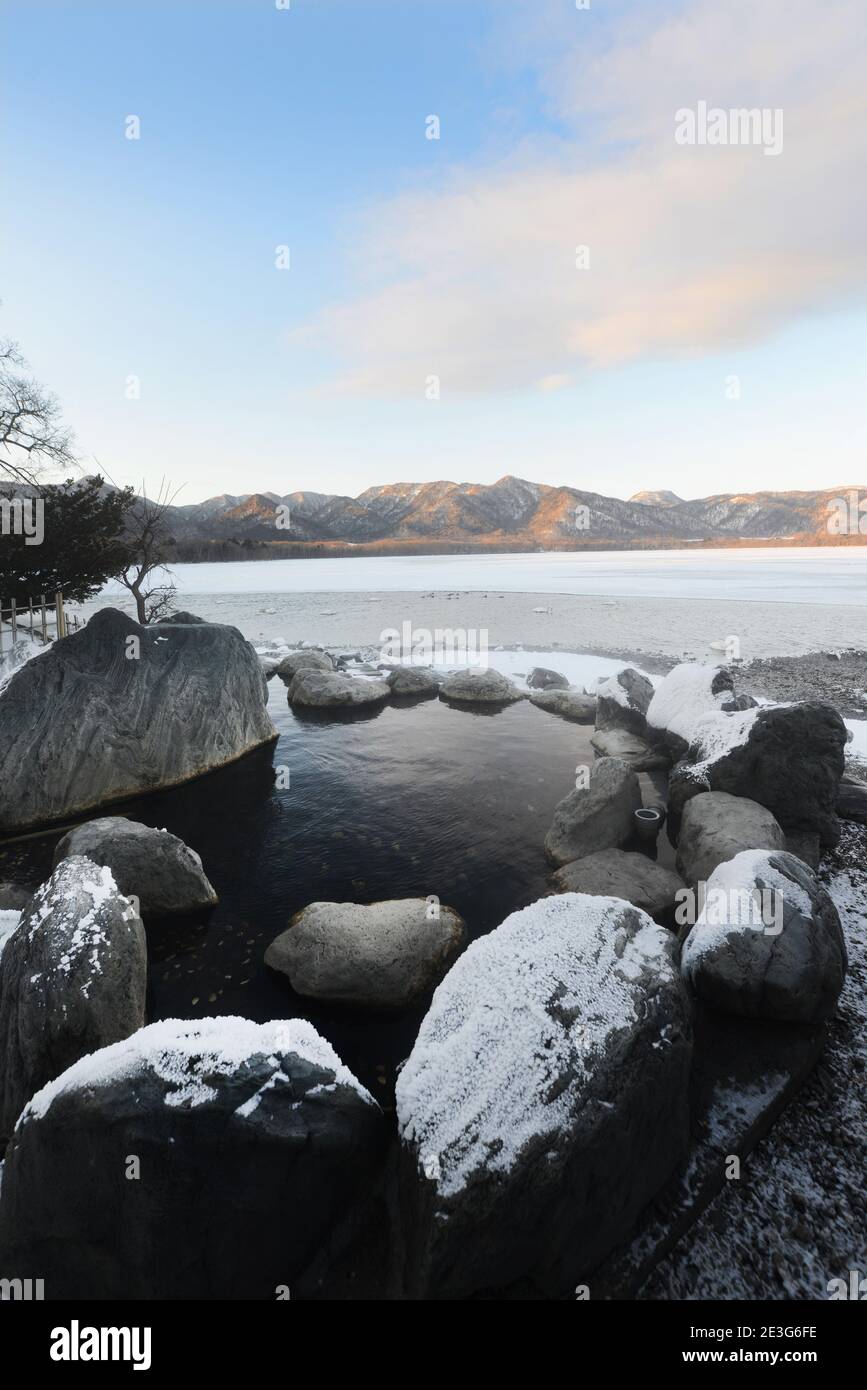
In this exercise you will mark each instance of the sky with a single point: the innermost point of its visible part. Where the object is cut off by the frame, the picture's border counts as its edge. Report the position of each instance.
(557, 287)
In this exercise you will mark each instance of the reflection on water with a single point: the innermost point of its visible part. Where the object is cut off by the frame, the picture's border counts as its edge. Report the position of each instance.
(402, 801)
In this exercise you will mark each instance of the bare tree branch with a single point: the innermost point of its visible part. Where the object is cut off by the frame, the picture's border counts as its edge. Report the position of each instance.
(33, 440)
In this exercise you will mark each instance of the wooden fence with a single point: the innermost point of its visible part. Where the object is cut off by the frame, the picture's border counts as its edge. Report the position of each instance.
(42, 621)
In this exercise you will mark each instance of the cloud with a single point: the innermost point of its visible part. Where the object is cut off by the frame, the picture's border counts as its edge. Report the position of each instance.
(690, 249)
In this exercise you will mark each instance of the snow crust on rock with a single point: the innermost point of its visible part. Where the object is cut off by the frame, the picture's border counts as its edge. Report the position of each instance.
(190, 1055)
(730, 907)
(532, 1003)
(684, 697)
(611, 689)
(715, 735)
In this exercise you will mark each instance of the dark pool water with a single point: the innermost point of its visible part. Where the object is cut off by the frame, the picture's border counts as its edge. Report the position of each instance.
(411, 800)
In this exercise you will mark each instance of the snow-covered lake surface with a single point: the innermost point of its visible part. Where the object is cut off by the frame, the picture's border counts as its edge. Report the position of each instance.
(803, 576)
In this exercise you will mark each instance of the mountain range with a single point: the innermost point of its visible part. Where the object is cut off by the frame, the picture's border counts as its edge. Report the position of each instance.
(511, 511)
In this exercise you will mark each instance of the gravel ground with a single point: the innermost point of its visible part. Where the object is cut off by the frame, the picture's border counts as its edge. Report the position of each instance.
(838, 677)
(798, 1216)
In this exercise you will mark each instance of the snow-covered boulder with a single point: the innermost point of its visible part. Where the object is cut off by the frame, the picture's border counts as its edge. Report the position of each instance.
(288, 668)
(789, 758)
(622, 701)
(716, 826)
(480, 687)
(413, 680)
(597, 816)
(159, 869)
(383, 955)
(195, 1160)
(72, 979)
(316, 689)
(767, 942)
(570, 704)
(689, 692)
(545, 1100)
(617, 874)
(118, 709)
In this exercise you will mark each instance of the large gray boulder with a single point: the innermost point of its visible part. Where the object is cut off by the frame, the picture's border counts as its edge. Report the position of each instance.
(716, 826)
(614, 873)
(789, 758)
(597, 816)
(117, 709)
(569, 704)
(324, 690)
(215, 1159)
(72, 979)
(480, 688)
(689, 692)
(545, 1101)
(157, 868)
(384, 955)
(289, 667)
(767, 942)
(413, 680)
(622, 701)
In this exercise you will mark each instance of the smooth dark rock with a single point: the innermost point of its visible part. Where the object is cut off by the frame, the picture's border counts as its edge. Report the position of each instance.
(622, 702)
(255, 1147)
(598, 816)
(289, 667)
(717, 826)
(614, 873)
(570, 704)
(541, 678)
(159, 869)
(324, 690)
(480, 687)
(413, 680)
(629, 748)
(117, 709)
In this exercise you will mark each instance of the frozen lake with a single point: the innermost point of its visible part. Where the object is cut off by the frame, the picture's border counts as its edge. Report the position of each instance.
(802, 576)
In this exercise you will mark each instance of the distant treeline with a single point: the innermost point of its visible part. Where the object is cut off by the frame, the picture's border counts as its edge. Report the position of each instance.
(200, 551)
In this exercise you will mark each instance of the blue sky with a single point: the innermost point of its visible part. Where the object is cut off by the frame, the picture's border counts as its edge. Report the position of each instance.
(452, 258)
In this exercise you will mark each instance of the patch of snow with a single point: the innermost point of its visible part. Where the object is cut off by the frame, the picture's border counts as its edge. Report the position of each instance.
(189, 1055)
(714, 735)
(729, 888)
(477, 1085)
(684, 697)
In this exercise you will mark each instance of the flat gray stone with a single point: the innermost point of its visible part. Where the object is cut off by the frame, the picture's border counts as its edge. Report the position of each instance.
(480, 687)
(413, 680)
(289, 667)
(615, 873)
(541, 678)
(629, 748)
(324, 690)
(569, 704)
(716, 826)
(383, 955)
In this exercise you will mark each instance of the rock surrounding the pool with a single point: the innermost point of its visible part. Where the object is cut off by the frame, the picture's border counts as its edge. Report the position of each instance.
(117, 709)
(570, 704)
(690, 691)
(384, 955)
(541, 678)
(324, 690)
(539, 1111)
(716, 826)
(599, 815)
(72, 979)
(480, 687)
(789, 758)
(622, 701)
(255, 1146)
(303, 661)
(852, 800)
(630, 748)
(614, 873)
(413, 680)
(159, 869)
(768, 942)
